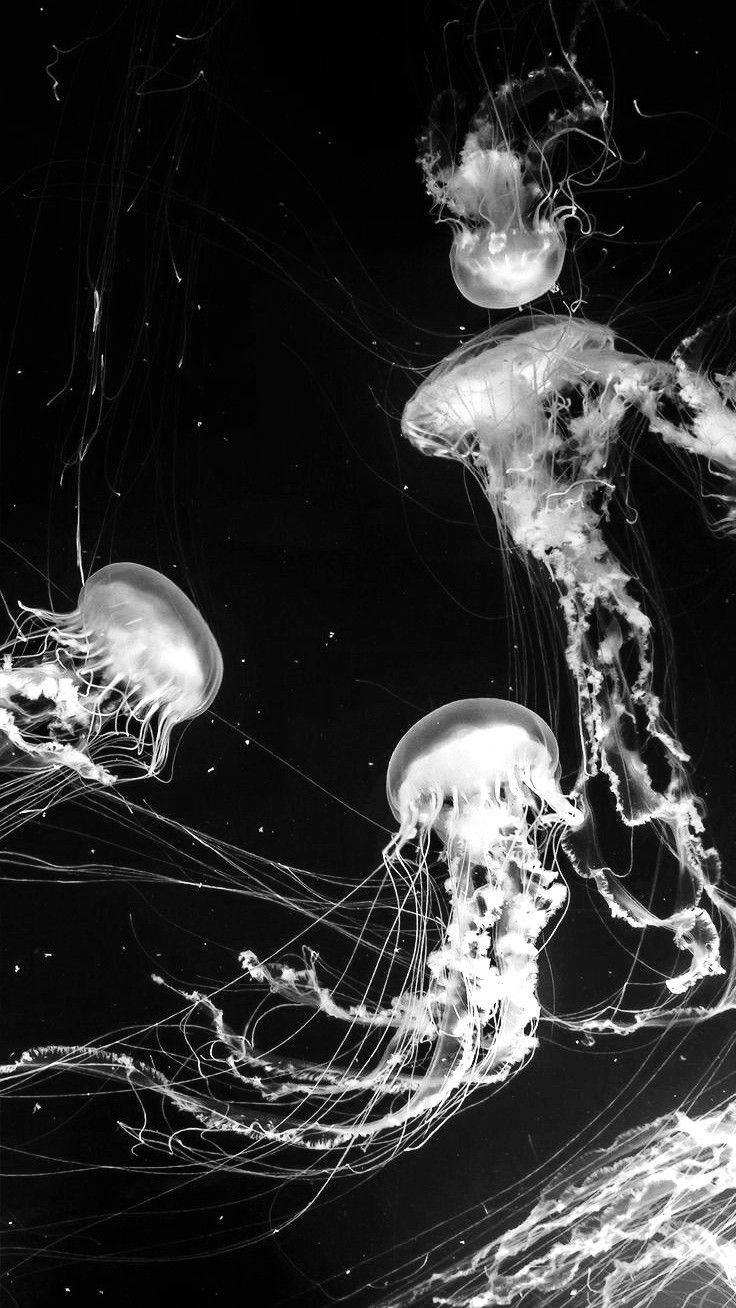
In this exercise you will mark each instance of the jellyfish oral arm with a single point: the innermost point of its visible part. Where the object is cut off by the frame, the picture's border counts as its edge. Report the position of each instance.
(485, 977)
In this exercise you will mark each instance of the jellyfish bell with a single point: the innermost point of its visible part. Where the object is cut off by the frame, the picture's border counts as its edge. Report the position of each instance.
(472, 770)
(104, 685)
(502, 269)
(141, 650)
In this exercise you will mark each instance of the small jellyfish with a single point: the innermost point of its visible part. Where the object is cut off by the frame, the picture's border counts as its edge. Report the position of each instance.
(505, 189)
(104, 685)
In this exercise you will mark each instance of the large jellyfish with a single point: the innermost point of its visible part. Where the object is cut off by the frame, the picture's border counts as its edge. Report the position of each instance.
(535, 409)
(100, 689)
(475, 789)
(510, 186)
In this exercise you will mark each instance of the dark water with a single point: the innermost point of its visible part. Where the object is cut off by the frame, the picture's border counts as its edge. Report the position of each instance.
(248, 200)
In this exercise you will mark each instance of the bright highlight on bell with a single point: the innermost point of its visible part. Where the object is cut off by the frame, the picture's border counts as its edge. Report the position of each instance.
(101, 688)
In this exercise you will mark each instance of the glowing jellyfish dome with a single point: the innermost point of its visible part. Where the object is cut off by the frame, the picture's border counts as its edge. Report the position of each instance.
(118, 673)
(537, 410)
(471, 770)
(143, 634)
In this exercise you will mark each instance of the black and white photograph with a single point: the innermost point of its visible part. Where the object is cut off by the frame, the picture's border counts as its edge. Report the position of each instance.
(368, 668)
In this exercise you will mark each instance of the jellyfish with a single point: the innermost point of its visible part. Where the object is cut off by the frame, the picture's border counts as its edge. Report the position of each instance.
(652, 1215)
(482, 776)
(535, 409)
(100, 690)
(475, 790)
(506, 191)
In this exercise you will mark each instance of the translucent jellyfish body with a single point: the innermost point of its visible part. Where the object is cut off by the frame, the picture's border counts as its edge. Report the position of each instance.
(482, 776)
(506, 189)
(473, 874)
(536, 410)
(103, 686)
(511, 248)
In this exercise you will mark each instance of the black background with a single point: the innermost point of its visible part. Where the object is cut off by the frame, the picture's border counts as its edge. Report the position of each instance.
(248, 203)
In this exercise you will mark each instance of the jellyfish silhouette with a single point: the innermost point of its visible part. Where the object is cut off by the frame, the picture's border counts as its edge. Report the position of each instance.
(98, 691)
(475, 789)
(535, 409)
(509, 188)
